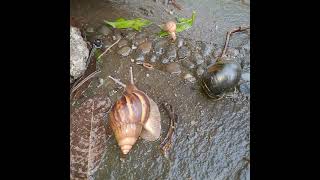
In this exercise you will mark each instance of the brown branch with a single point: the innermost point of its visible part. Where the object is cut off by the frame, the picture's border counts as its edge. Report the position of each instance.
(108, 48)
(176, 5)
(73, 89)
(239, 29)
(167, 142)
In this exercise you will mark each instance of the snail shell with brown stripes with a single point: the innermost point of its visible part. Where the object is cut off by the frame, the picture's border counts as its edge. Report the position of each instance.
(134, 115)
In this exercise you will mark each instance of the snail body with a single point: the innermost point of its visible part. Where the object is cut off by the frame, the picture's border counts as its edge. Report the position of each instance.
(221, 77)
(134, 115)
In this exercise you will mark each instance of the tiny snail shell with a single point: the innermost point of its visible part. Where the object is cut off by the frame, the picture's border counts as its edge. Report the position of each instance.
(171, 27)
(134, 115)
(221, 77)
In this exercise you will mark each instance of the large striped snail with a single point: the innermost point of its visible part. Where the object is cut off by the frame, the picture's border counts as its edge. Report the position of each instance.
(134, 115)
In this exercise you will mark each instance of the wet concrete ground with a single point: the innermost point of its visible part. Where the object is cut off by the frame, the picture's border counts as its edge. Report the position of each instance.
(212, 139)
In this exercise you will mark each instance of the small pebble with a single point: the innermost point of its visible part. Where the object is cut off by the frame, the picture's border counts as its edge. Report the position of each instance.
(145, 47)
(106, 43)
(165, 61)
(198, 59)
(122, 43)
(101, 81)
(125, 51)
(116, 36)
(90, 29)
(206, 49)
(138, 41)
(131, 35)
(104, 30)
(188, 64)
(180, 42)
(133, 46)
(189, 78)
(200, 71)
(184, 52)
(173, 68)
(193, 122)
(147, 75)
(159, 46)
(153, 58)
(132, 60)
(171, 53)
(139, 57)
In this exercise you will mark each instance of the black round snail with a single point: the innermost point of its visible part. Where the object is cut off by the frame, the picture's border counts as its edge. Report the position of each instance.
(221, 77)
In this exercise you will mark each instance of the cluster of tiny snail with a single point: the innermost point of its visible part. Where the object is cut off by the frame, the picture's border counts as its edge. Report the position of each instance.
(136, 115)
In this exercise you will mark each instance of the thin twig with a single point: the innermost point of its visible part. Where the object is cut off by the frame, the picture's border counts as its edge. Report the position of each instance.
(109, 48)
(167, 142)
(117, 81)
(239, 29)
(176, 5)
(83, 81)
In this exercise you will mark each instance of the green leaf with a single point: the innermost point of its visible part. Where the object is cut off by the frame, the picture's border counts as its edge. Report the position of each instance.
(182, 25)
(136, 24)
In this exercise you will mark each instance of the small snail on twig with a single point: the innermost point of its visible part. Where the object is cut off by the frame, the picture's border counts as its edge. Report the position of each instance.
(133, 115)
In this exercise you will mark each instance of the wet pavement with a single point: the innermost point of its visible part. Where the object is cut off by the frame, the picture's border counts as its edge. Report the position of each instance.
(212, 139)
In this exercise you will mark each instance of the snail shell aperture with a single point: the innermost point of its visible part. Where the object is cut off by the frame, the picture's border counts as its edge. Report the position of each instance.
(134, 115)
(221, 77)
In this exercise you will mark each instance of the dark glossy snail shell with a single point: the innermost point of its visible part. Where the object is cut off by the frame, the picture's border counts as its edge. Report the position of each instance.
(220, 77)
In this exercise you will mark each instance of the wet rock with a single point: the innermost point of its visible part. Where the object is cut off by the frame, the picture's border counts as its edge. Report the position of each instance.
(104, 30)
(189, 78)
(138, 41)
(146, 12)
(142, 35)
(153, 58)
(188, 64)
(94, 37)
(173, 68)
(89, 29)
(171, 53)
(130, 35)
(159, 46)
(106, 43)
(200, 70)
(139, 56)
(78, 53)
(165, 60)
(116, 36)
(145, 47)
(198, 59)
(180, 42)
(245, 76)
(122, 43)
(184, 52)
(245, 88)
(206, 49)
(124, 51)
